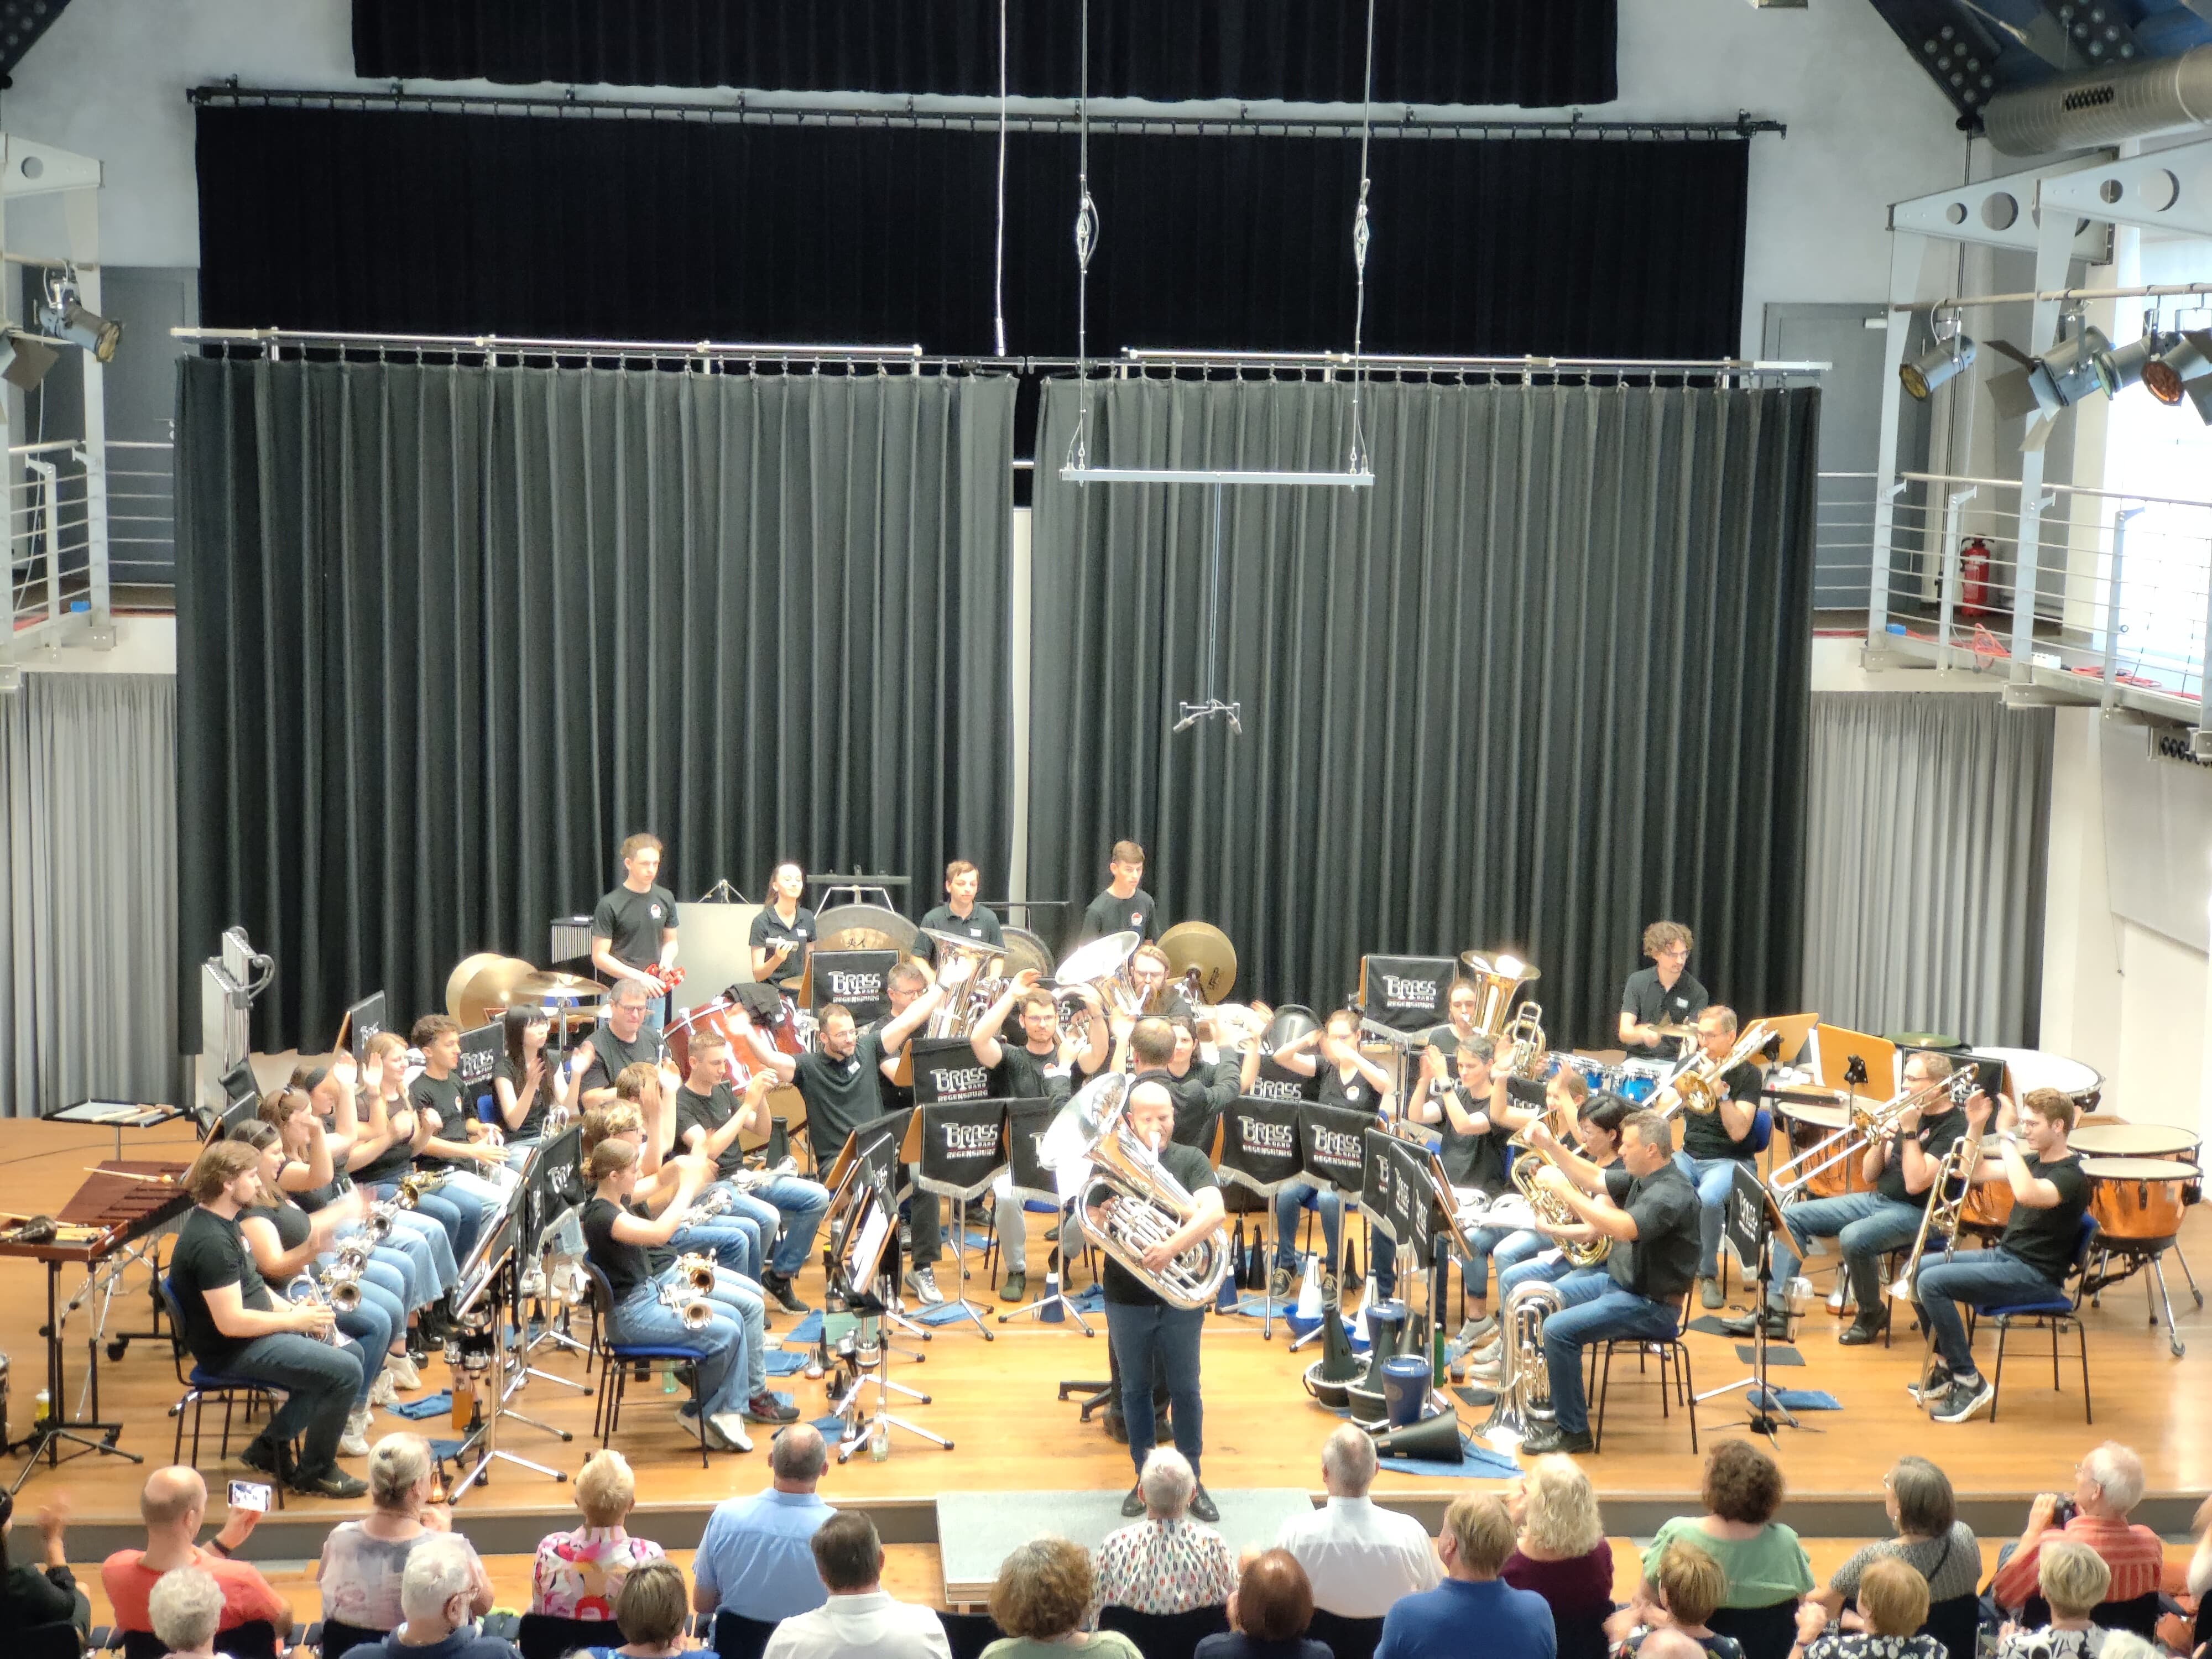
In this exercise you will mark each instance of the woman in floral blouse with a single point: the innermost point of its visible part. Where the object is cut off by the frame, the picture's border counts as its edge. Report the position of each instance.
(578, 1574)
(1166, 1562)
(1893, 1606)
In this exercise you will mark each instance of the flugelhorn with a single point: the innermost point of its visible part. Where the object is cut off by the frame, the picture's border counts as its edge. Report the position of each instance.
(1092, 1147)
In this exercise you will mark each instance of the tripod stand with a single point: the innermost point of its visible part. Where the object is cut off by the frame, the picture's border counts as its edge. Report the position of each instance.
(866, 1280)
(1752, 1220)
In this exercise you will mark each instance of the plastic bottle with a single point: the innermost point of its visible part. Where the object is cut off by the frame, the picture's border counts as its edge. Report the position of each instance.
(879, 1442)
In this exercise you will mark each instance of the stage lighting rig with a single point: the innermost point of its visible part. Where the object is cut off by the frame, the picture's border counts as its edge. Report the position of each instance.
(1951, 353)
(65, 316)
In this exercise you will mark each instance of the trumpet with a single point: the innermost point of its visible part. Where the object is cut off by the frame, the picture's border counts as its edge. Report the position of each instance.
(341, 1297)
(696, 1311)
(1697, 1085)
(697, 1270)
(1869, 1123)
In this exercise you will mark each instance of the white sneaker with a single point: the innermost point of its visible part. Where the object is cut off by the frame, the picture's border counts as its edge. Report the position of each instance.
(401, 1370)
(354, 1443)
(383, 1390)
(922, 1281)
(731, 1426)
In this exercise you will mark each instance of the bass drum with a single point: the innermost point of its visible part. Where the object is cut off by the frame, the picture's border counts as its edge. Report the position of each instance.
(720, 1015)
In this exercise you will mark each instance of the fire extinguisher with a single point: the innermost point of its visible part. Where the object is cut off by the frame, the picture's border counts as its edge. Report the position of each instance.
(1974, 577)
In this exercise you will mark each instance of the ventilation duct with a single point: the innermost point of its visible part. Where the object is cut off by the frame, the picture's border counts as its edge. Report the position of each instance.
(2080, 111)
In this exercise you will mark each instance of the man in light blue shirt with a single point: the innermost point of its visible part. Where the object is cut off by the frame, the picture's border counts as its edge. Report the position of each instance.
(757, 1558)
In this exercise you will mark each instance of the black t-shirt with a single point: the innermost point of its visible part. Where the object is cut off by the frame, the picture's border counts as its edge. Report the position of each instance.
(978, 924)
(1937, 1136)
(290, 1221)
(1188, 1165)
(611, 1056)
(1109, 914)
(1021, 1075)
(626, 1266)
(534, 1121)
(1273, 1081)
(769, 930)
(840, 1095)
(1703, 1134)
(1662, 1261)
(1200, 1095)
(2045, 1239)
(210, 1253)
(890, 1096)
(708, 1113)
(395, 1160)
(1473, 1160)
(631, 923)
(1355, 1092)
(312, 1199)
(1647, 1003)
(441, 1098)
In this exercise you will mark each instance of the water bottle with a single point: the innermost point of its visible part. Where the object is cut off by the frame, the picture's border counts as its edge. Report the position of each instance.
(879, 1442)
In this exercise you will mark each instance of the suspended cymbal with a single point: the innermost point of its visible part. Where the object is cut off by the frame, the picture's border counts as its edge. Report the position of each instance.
(557, 988)
(1201, 945)
(481, 986)
(1025, 950)
(864, 928)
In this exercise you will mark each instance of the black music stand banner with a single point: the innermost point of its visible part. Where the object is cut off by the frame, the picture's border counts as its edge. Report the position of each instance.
(1260, 1143)
(1406, 993)
(946, 1069)
(963, 1147)
(1027, 1120)
(1399, 1196)
(852, 979)
(241, 1099)
(1332, 1147)
(480, 1052)
(365, 1019)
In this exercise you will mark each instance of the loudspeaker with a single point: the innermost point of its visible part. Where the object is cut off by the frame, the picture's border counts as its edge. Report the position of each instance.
(1432, 1440)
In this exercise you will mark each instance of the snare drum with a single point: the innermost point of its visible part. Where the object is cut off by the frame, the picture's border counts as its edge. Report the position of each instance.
(1638, 1080)
(2133, 1140)
(2138, 1201)
(2033, 1068)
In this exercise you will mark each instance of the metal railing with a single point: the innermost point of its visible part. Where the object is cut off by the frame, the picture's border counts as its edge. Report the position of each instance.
(50, 570)
(141, 521)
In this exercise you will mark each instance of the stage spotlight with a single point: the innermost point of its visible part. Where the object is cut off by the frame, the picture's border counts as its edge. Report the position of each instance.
(2187, 358)
(24, 362)
(2126, 365)
(2057, 380)
(1923, 374)
(63, 315)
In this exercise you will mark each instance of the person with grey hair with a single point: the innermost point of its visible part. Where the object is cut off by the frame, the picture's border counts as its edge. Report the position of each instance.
(2108, 1483)
(1166, 1562)
(365, 1561)
(1930, 1538)
(618, 1041)
(756, 1555)
(580, 1573)
(1359, 1558)
(186, 1608)
(438, 1595)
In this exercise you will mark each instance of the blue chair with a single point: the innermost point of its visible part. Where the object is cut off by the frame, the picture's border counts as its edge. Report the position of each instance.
(2059, 1311)
(616, 1358)
(202, 1385)
(736, 1636)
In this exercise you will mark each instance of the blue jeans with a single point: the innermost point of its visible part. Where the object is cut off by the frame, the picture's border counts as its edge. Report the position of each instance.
(793, 1204)
(1977, 1276)
(1545, 1267)
(1474, 1268)
(321, 1383)
(1143, 1336)
(1863, 1225)
(1715, 1179)
(642, 1319)
(372, 1325)
(457, 1222)
(465, 1188)
(1595, 1308)
(733, 1240)
(1289, 1201)
(422, 1238)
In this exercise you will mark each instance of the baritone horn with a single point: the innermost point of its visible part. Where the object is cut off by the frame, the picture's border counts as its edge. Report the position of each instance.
(1524, 1385)
(1092, 1151)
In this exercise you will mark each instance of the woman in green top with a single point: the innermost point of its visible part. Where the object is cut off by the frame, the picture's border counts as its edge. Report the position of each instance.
(1765, 1564)
(1042, 1594)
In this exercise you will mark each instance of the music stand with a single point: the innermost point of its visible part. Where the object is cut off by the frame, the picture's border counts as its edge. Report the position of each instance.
(548, 1175)
(1332, 1155)
(963, 1147)
(860, 884)
(864, 1274)
(1752, 1218)
(479, 1347)
(1259, 1153)
(1858, 1063)
(1401, 999)
(1026, 1122)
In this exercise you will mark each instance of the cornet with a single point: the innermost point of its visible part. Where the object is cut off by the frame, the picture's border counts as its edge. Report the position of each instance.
(696, 1311)
(697, 1270)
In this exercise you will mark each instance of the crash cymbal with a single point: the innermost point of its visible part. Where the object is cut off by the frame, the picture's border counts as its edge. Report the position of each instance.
(557, 988)
(864, 928)
(481, 986)
(1690, 1031)
(1025, 950)
(1201, 945)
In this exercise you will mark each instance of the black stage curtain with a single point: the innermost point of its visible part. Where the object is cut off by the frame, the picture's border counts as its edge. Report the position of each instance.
(447, 634)
(421, 223)
(1545, 55)
(1545, 682)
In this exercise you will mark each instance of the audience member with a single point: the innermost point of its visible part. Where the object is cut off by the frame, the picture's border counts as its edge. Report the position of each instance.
(1763, 1562)
(1666, 1642)
(578, 1574)
(364, 1562)
(1930, 1539)
(756, 1558)
(1040, 1599)
(1359, 1558)
(1561, 1552)
(1268, 1615)
(1443, 1623)
(2108, 1483)
(438, 1595)
(2177, 1631)
(2073, 1578)
(651, 1609)
(186, 1608)
(1892, 1606)
(1681, 1597)
(46, 1594)
(859, 1618)
(172, 1505)
(1166, 1562)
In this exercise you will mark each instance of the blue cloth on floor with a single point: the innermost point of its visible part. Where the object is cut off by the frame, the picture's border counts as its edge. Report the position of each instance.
(831, 1429)
(1475, 1463)
(944, 1313)
(440, 1404)
(807, 1331)
(1257, 1307)
(784, 1364)
(1801, 1400)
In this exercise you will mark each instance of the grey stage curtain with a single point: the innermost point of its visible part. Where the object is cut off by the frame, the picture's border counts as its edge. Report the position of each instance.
(446, 634)
(1930, 829)
(1543, 684)
(88, 844)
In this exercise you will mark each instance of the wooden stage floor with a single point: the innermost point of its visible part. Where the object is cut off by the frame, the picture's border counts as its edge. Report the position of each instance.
(997, 1400)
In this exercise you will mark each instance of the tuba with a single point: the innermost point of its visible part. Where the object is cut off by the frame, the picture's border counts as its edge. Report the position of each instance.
(1524, 1386)
(1103, 965)
(1497, 980)
(956, 1015)
(1092, 1148)
(1695, 1085)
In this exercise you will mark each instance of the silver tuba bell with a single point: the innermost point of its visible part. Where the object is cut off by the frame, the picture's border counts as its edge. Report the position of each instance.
(1524, 1385)
(1092, 1151)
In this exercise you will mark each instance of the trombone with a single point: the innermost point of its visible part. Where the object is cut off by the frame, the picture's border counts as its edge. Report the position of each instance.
(1869, 1123)
(1945, 1207)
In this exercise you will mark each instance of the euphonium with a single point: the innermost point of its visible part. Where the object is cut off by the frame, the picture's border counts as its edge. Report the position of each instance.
(1524, 1384)
(1143, 1205)
(1552, 1211)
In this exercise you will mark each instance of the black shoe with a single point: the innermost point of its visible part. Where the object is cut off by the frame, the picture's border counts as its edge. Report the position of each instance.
(332, 1482)
(1934, 1390)
(263, 1457)
(1863, 1329)
(779, 1288)
(767, 1407)
(1134, 1505)
(1777, 1325)
(1202, 1505)
(1965, 1400)
(1549, 1437)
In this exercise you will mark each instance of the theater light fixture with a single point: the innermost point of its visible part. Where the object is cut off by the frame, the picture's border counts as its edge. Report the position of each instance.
(23, 361)
(1939, 363)
(2187, 358)
(65, 316)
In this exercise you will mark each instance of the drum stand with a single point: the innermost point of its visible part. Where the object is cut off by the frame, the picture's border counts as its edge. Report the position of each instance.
(2156, 1297)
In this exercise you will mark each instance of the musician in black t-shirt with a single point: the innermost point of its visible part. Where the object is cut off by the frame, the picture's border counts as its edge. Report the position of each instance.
(1124, 907)
(450, 1143)
(1042, 1067)
(1478, 1117)
(634, 928)
(1145, 1330)
(960, 914)
(2031, 1259)
(1714, 1143)
(620, 1040)
(233, 1325)
(1662, 995)
(530, 1095)
(1647, 1208)
(1462, 1002)
(784, 932)
(1898, 1169)
(1342, 1076)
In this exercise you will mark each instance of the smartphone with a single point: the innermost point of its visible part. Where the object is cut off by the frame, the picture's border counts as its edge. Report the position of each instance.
(249, 1495)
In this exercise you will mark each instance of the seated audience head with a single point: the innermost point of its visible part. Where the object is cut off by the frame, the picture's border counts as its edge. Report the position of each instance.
(1665, 1643)
(1166, 1483)
(797, 1457)
(1893, 1596)
(1692, 1585)
(2109, 1481)
(174, 1502)
(1477, 1537)
(185, 1609)
(847, 1554)
(1274, 1598)
(438, 1587)
(1742, 1483)
(1043, 1589)
(2073, 1578)
(653, 1604)
(607, 1491)
(1347, 1462)
(399, 1472)
(1919, 1497)
(2126, 1644)
(1560, 1515)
